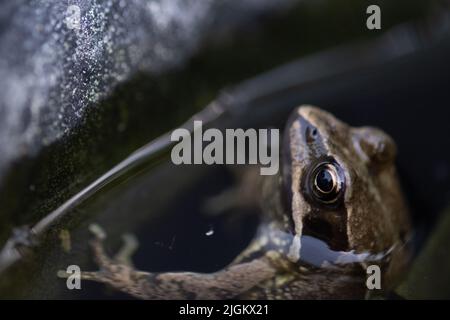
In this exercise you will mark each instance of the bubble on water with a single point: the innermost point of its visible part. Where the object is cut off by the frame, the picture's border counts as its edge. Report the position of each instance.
(210, 231)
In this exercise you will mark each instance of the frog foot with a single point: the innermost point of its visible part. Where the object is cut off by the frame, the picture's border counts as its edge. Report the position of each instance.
(114, 270)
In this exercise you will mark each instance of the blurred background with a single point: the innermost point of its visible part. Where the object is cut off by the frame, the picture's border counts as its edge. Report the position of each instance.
(75, 101)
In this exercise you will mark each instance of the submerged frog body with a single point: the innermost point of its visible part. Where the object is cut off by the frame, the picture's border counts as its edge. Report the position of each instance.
(335, 208)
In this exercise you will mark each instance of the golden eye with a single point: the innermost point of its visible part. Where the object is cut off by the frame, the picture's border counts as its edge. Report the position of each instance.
(327, 183)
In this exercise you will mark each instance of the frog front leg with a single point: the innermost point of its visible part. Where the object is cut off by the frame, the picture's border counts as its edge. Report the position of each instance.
(224, 284)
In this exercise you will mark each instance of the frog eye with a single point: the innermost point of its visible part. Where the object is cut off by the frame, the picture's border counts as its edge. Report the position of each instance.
(327, 182)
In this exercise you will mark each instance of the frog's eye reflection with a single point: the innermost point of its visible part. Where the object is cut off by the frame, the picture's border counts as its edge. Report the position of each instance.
(327, 183)
(325, 180)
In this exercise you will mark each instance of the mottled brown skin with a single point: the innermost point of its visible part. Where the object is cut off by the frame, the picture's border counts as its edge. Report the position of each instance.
(366, 215)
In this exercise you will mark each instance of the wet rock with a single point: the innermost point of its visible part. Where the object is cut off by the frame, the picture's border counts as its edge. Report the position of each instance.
(53, 72)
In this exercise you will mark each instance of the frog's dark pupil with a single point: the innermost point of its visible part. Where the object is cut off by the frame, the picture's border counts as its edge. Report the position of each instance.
(326, 183)
(324, 180)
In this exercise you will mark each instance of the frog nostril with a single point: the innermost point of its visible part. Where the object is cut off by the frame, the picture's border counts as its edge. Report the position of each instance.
(311, 134)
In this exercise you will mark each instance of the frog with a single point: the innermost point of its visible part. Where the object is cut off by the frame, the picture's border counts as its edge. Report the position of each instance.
(335, 207)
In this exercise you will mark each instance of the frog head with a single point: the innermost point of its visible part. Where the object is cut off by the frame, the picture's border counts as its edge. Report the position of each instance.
(342, 186)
